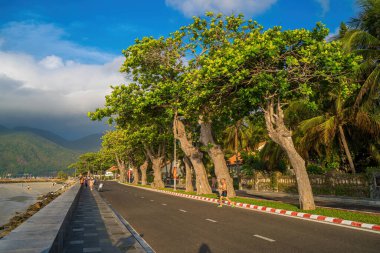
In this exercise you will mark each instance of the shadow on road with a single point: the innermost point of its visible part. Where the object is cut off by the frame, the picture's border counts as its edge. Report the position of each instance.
(204, 249)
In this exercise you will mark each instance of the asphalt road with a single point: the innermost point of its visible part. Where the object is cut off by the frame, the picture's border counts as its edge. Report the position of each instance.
(172, 225)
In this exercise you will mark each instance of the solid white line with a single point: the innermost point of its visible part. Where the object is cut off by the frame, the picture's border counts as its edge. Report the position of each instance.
(211, 220)
(184, 211)
(164, 204)
(264, 238)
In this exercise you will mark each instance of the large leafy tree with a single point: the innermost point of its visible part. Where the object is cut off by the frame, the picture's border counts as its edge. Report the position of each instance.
(202, 39)
(137, 107)
(363, 38)
(271, 68)
(121, 147)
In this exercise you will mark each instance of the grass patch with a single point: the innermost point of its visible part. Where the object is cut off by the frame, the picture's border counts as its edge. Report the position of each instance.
(346, 215)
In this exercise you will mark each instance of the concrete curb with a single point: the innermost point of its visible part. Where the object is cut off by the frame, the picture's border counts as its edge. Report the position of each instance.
(366, 226)
(144, 245)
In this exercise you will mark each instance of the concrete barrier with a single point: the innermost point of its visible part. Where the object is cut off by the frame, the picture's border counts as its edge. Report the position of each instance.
(46, 230)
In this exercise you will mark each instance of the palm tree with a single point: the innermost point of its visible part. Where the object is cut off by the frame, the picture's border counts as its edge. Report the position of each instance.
(368, 19)
(245, 134)
(322, 130)
(234, 135)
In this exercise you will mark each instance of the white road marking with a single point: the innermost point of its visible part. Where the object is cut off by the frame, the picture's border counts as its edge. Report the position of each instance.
(264, 238)
(211, 220)
(184, 211)
(142, 197)
(164, 204)
(151, 200)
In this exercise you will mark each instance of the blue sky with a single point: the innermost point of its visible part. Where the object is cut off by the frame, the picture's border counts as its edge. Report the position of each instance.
(58, 58)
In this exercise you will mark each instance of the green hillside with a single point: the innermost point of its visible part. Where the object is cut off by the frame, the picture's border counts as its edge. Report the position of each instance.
(24, 152)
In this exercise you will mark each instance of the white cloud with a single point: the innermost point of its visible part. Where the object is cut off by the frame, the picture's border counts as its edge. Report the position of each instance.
(325, 5)
(41, 40)
(332, 35)
(49, 82)
(52, 62)
(198, 7)
(53, 87)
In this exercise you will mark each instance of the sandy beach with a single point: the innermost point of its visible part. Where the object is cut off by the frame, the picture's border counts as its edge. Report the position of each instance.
(16, 197)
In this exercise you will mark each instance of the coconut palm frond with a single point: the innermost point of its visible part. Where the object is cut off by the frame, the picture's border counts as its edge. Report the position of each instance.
(368, 17)
(358, 39)
(272, 153)
(366, 68)
(369, 54)
(371, 85)
(375, 152)
(308, 124)
(328, 130)
(369, 123)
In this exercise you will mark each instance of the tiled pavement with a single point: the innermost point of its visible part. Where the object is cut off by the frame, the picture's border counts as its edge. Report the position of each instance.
(95, 228)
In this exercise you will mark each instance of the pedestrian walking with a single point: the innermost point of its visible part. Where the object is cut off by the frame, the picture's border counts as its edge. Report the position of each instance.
(91, 183)
(81, 180)
(223, 193)
(86, 182)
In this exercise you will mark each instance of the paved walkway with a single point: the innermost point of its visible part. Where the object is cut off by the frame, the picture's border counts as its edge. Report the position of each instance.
(95, 228)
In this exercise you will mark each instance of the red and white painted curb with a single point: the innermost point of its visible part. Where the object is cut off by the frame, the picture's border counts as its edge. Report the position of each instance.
(316, 217)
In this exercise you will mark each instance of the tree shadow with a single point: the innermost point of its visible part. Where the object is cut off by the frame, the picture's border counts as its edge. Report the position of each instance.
(204, 248)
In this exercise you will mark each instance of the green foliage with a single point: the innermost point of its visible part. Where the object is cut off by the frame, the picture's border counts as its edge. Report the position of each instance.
(62, 175)
(315, 169)
(251, 164)
(369, 18)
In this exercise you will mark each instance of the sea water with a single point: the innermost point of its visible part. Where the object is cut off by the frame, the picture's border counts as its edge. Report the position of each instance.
(17, 197)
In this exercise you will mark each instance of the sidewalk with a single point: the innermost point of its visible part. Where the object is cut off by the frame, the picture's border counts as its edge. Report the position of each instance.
(361, 205)
(95, 228)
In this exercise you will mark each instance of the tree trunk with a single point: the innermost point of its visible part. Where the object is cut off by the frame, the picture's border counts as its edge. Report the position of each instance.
(217, 156)
(121, 167)
(195, 156)
(135, 175)
(157, 164)
(279, 133)
(143, 169)
(346, 149)
(189, 181)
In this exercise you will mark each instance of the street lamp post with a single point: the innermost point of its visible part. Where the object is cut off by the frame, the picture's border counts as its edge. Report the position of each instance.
(175, 151)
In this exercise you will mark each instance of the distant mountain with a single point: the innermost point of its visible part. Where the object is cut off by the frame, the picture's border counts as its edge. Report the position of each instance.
(43, 133)
(88, 143)
(26, 152)
(4, 129)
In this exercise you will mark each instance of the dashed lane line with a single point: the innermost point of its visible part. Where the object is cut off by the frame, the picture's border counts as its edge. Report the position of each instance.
(211, 220)
(264, 238)
(164, 204)
(151, 200)
(184, 211)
